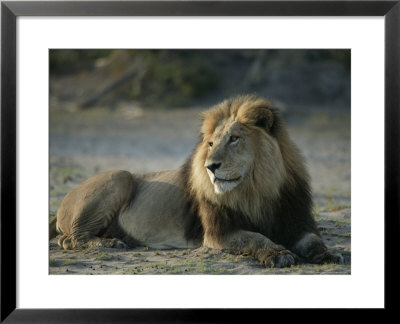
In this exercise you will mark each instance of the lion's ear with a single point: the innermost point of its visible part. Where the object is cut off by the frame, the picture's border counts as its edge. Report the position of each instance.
(265, 119)
(258, 116)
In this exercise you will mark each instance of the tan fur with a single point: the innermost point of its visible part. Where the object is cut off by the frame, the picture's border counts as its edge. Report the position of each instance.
(256, 188)
(264, 153)
(88, 209)
(270, 172)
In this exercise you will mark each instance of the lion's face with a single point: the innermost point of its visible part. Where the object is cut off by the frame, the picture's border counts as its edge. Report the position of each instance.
(239, 154)
(230, 155)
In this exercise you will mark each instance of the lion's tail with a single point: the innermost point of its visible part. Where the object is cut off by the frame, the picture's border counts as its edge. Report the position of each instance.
(53, 228)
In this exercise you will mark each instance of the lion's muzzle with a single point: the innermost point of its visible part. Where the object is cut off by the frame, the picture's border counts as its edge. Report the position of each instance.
(213, 166)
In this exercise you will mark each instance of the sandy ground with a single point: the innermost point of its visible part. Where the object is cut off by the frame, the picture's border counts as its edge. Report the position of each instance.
(85, 143)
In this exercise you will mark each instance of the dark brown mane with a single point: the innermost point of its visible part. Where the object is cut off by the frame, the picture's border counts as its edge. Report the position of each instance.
(285, 218)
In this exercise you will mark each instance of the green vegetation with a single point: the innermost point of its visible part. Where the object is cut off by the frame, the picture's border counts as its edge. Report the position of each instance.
(173, 77)
(53, 262)
(186, 266)
(104, 256)
(344, 235)
(65, 172)
(337, 207)
(73, 60)
(311, 269)
(62, 262)
(180, 77)
(69, 262)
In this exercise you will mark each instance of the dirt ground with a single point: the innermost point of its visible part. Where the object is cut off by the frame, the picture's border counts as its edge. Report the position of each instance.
(129, 138)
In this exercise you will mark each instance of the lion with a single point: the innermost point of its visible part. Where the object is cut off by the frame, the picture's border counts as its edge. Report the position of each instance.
(244, 189)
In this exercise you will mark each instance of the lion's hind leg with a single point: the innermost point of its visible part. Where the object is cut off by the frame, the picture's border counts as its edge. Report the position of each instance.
(88, 210)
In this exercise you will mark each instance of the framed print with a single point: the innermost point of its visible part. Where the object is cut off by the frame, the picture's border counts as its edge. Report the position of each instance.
(330, 67)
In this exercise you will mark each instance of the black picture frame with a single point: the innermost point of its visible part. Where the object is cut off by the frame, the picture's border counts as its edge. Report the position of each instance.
(11, 10)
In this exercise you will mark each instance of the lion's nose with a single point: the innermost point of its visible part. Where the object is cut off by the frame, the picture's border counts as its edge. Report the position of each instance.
(213, 166)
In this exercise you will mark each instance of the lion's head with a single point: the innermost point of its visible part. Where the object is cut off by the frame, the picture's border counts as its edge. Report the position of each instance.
(241, 152)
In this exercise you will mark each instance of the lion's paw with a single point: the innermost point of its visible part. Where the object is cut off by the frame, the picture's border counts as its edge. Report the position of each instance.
(116, 244)
(328, 257)
(106, 243)
(279, 259)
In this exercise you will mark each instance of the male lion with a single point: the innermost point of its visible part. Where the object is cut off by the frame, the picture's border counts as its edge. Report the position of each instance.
(244, 189)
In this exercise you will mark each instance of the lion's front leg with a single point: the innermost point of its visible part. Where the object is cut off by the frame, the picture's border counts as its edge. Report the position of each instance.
(256, 245)
(312, 249)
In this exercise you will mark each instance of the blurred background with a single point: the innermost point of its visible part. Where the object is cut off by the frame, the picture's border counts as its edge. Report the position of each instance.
(181, 78)
(138, 110)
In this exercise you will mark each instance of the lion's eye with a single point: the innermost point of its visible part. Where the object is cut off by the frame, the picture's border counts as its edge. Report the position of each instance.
(233, 139)
(210, 144)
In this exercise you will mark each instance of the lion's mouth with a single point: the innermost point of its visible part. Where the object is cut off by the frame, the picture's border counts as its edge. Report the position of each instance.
(225, 180)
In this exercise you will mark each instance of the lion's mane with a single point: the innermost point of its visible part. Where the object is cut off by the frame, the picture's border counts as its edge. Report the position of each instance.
(273, 200)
